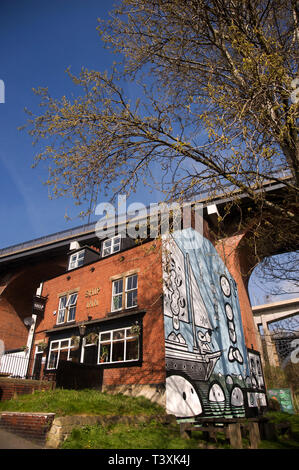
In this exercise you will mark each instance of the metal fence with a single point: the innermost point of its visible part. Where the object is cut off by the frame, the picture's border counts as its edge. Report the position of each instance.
(55, 237)
(15, 365)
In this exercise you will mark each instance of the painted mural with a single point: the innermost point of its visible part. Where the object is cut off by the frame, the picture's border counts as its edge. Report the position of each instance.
(255, 381)
(208, 370)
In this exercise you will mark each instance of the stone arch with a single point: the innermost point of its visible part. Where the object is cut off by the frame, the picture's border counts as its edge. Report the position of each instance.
(16, 295)
(242, 252)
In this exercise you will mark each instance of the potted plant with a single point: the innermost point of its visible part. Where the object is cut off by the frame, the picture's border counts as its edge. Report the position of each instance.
(92, 338)
(104, 355)
(135, 329)
(75, 341)
(42, 346)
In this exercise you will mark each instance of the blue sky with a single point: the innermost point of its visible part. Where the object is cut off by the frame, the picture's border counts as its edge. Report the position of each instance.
(39, 39)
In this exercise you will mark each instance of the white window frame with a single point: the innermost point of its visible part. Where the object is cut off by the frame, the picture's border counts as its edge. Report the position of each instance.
(127, 336)
(114, 241)
(84, 346)
(38, 352)
(67, 308)
(119, 294)
(69, 347)
(71, 307)
(61, 309)
(124, 293)
(75, 259)
(127, 291)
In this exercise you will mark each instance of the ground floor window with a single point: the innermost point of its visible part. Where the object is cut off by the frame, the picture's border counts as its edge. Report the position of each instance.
(89, 353)
(37, 365)
(61, 350)
(119, 345)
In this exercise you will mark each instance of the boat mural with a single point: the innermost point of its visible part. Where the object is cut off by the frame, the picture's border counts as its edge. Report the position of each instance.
(207, 365)
(198, 363)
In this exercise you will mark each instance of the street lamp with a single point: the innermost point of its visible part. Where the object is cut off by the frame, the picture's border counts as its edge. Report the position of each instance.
(82, 329)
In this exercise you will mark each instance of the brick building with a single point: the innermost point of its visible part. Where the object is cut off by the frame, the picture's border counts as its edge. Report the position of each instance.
(169, 318)
(118, 298)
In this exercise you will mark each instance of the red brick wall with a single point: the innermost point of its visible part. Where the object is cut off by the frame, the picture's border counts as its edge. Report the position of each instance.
(16, 296)
(146, 261)
(9, 387)
(32, 426)
(12, 329)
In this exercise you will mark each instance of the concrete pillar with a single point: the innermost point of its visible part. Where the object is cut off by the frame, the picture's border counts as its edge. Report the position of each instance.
(270, 346)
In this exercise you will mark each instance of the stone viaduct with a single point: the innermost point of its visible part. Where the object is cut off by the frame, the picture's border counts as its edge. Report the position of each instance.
(24, 266)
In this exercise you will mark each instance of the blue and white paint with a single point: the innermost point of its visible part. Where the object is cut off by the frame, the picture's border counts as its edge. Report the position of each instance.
(208, 373)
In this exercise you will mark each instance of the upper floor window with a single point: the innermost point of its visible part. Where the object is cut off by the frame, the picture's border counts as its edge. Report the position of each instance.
(67, 308)
(124, 293)
(117, 295)
(131, 291)
(111, 245)
(76, 259)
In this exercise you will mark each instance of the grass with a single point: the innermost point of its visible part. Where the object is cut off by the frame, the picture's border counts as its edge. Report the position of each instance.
(83, 402)
(152, 435)
(284, 440)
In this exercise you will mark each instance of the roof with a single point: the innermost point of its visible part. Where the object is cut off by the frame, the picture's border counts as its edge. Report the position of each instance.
(58, 243)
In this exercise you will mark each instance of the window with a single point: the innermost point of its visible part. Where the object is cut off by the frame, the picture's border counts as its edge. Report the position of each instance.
(119, 345)
(131, 291)
(89, 349)
(112, 245)
(117, 295)
(71, 307)
(60, 350)
(67, 308)
(76, 259)
(37, 365)
(61, 309)
(124, 298)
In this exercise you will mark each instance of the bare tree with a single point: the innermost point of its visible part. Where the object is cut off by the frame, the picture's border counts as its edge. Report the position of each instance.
(281, 275)
(216, 109)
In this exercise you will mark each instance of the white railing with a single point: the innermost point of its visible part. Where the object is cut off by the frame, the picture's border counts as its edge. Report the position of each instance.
(15, 364)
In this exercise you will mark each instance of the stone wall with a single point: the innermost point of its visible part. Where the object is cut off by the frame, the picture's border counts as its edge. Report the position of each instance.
(50, 431)
(62, 426)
